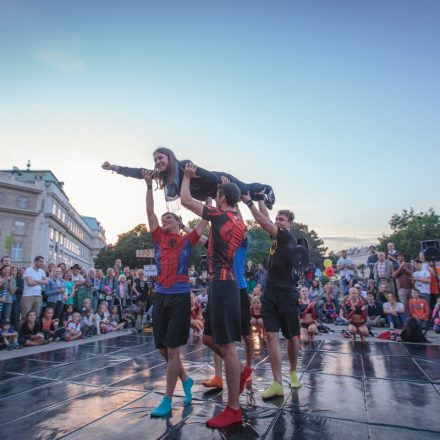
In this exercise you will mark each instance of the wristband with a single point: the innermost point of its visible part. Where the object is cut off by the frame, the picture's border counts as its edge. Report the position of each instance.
(250, 203)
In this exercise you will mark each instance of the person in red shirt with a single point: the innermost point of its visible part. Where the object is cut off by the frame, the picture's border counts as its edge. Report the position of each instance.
(418, 308)
(172, 302)
(223, 314)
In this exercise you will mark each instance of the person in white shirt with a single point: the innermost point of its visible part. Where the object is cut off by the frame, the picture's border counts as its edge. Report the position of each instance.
(345, 267)
(422, 280)
(394, 311)
(34, 278)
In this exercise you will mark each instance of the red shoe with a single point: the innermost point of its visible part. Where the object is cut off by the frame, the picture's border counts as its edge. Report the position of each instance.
(227, 417)
(245, 374)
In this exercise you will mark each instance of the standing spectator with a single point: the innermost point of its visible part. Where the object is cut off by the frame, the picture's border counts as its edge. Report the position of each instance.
(91, 275)
(98, 285)
(402, 275)
(17, 274)
(422, 280)
(122, 290)
(193, 274)
(309, 274)
(345, 267)
(260, 276)
(435, 280)
(63, 268)
(55, 293)
(203, 298)
(141, 289)
(394, 311)
(419, 308)
(82, 292)
(392, 255)
(69, 286)
(109, 286)
(372, 260)
(118, 268)
(383, 274)
(77, 278)
(249, 273)
(436, 316)
(34, 278)
(7, 291)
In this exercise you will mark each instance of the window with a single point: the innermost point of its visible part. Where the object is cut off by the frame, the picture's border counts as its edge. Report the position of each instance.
(23, 202)
(2, 198)
(19, 227)
(63, 217)
(56, 235)
(54, 208)
(51, 233)
(17, 252)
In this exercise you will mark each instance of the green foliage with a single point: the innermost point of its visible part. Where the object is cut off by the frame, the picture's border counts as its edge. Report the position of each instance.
(409, 229)
(258, 243)
(362, 267)
(125, 249)
(9, 241)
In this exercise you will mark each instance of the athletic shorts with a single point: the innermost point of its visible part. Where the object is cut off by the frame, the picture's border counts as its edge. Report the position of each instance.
(279, 310)
(171, 319)
(245, 313)
(223, 312)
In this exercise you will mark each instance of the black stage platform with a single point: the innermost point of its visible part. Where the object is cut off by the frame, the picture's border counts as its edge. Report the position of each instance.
(106, 390)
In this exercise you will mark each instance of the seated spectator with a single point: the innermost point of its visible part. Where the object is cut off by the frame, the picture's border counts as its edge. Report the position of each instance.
(203, 299)
(67, 314)
(394, 311)
(49, 329)
(315, 291)
(422, 280)
(355, 310)
(88, 323)
(9, 336)
(86, 304)
(328, 288)
(256, 319)
(436, 316)
(73, 328)
(30, 331)
(102, 319)
(115, 321)
(256, 291)
(197, 321)
(374, 312)
(327, 309)
(307, 316)
(418, 308)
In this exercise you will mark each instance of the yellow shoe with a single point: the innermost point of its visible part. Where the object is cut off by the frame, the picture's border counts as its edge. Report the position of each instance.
(274, 390)
(294, 381)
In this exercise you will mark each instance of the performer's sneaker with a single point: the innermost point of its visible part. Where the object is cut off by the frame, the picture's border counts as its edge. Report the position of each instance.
(294, 381)
(214, 382)
(275, 390)
(227, 417)
(269, 197)
(245, 374)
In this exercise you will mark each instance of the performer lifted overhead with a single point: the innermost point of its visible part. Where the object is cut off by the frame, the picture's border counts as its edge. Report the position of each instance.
(168, 172)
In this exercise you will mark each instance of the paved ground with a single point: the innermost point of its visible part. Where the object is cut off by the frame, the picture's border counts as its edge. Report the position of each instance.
(106, 389)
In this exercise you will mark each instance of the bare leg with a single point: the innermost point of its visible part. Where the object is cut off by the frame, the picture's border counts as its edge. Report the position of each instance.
(292, 352)
(232, 372)
(207, 340)
(304, 335)
(274, 349)
(218, 361)
(249, 347)
(174, 370)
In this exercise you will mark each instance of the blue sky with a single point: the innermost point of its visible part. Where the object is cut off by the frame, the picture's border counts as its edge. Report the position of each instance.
(334, 103)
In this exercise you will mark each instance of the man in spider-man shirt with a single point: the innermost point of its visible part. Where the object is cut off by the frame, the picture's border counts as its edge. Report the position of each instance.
(172, 302)
(223, 322)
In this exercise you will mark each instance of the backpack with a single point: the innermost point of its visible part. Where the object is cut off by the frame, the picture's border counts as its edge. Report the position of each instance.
(412, 332)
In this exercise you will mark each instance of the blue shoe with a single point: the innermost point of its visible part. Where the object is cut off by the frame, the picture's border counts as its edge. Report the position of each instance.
(163, 409)
(187, 385)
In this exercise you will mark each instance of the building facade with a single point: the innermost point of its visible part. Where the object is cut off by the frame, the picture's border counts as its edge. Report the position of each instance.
(36, 218)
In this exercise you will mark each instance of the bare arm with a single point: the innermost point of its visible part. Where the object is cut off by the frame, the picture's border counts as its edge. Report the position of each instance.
(153, 222)
(259, 217)
(185, 194)
(31, 282)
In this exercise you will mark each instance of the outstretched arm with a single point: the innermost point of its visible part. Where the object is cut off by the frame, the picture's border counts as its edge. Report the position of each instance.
(153, 222)
(260, 218)
(137, 173)
(185, 193)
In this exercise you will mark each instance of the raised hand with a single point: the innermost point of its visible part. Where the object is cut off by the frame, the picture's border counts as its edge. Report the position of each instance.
(148, 175)
(190, 170)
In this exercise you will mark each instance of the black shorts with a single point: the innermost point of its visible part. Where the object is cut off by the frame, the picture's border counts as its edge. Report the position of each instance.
(171, 319)
(279, 309)
(245, 313)
(306, 325)
(222, 314)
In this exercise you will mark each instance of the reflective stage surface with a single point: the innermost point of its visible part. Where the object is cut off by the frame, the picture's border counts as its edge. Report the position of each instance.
(107, 389)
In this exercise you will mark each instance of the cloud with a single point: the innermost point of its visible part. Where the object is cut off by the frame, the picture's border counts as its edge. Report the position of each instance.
(338, 242)
(60, 60)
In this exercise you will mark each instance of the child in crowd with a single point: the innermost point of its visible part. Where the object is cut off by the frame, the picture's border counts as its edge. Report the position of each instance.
(418, 308)
(9, 335)
(73, 328)
(374, 312)
(436, 316)
(86, 304)
(30, 331)
(88, 323)
(70, 288)
(122, 290)
(394, 311)
(47, 327)
(328, 310)
(256, 319)
(102, 319)
(196, 315)
(114, 319)
(67, 314)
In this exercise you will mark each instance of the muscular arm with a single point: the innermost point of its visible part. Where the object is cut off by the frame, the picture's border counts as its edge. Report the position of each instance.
(153, 222)
(185, 194)
(260, 218)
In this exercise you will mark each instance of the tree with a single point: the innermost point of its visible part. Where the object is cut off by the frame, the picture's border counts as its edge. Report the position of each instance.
(125, 249)
(409, 229)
